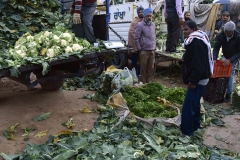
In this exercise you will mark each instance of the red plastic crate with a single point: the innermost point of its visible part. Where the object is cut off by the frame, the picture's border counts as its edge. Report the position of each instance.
(215, 90)
(221, 71)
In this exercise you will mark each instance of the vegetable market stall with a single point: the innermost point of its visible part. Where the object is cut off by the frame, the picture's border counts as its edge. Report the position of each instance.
(71, 66)
(162, 57)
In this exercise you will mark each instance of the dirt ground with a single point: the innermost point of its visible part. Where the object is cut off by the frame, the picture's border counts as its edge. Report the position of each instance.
(19, 105)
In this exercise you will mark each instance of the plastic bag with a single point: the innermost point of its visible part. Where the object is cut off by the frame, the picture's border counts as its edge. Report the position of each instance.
(123, 78)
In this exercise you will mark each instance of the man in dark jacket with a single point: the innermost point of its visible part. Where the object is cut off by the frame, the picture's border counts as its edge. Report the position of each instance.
(197, 68)
(229, 40)
(83, 12)
(174, 19)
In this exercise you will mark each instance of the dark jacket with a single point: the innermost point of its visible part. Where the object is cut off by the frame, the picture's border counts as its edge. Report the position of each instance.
(196, 62)
(230, 49)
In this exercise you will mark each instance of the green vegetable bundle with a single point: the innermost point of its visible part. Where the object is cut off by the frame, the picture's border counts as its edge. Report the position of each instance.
(18, 17)
(143, 101)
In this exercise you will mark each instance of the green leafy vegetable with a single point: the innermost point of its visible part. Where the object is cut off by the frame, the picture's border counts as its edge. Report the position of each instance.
(42, 117)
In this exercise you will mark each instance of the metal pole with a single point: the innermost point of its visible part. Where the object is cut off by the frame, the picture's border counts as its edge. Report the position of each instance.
(107, 18)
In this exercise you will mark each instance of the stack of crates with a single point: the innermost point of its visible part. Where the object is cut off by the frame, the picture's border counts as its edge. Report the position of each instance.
(216, 87)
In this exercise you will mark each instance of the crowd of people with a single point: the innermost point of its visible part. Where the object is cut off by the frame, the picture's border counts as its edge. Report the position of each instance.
(198, 59)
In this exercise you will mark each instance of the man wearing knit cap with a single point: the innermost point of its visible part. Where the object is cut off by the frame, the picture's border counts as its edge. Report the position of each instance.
(131, 32)
(174, 19)
(145, 41)
(83, 12)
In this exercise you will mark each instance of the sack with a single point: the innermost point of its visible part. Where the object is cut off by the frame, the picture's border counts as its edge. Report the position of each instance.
(120, 103)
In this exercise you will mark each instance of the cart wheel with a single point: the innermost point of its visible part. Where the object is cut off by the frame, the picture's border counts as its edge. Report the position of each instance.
(120, 61)
(51, 85)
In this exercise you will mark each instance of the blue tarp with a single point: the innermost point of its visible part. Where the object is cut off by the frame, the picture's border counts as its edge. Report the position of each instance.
(222, 1)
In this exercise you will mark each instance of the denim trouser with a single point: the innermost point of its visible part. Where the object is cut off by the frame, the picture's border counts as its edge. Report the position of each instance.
(231, 78)
(191, 110)
(135, 56)
(85, 29)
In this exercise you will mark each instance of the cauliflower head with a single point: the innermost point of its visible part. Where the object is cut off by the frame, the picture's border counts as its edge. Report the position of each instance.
(50, 53)
(63, 43)
(46, 33)
(68, 49)
(76, 47)
(67, 36)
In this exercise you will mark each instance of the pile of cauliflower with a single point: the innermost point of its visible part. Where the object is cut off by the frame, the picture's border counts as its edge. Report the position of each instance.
(47, 44)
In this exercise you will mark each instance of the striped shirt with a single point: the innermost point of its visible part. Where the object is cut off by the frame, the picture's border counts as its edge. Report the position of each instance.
(77, 4)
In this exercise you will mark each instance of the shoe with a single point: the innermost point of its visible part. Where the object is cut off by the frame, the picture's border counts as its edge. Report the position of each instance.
(183, 135)
(227, 98)
(195, 129)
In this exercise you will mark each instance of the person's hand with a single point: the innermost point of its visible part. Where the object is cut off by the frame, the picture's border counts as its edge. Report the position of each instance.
(166, 20)
(226, 62)
(191, 86)
(180, 21)
(216, 31)
(76, 18)
(214, 61)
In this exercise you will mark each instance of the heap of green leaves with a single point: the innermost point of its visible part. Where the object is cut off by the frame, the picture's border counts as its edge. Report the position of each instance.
(18, 17)
(127, 141)
(143, 101)
(173, 95)
(90, 82)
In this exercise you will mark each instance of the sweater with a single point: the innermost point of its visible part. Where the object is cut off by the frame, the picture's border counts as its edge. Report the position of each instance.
(145, 36)
(77, 4)
(230, 49)
(196, 65)
(132, 31)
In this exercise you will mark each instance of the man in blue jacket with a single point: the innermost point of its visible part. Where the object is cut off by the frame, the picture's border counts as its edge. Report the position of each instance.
(229, 40)
(145, 41)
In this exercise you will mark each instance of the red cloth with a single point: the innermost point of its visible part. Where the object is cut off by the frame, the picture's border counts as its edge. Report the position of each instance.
(77, 5)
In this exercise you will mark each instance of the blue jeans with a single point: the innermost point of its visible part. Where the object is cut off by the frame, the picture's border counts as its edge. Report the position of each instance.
(85, 29)
(191, 110)
(231, 78)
